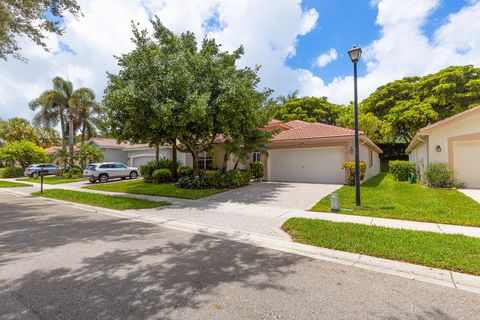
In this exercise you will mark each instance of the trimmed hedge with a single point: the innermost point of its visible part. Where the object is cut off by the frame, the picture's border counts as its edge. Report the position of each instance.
(11, 172)
(72, 173)
(400, 169)
(350, 168)
(162, 176)
(215, 179)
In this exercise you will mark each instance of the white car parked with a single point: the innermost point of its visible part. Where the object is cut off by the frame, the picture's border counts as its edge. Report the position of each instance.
(109, 170)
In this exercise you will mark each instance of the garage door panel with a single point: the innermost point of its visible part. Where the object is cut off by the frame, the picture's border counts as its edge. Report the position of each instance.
(140, 161)
(466, 155)
(320, 165)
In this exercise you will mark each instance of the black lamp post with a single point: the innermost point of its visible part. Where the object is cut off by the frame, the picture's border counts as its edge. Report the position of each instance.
(355, 54)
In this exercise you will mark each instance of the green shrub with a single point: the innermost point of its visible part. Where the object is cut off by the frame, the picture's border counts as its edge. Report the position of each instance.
(11, 172)
(147, 169)
(162, 176)
(72, 173)
(440, 175)
(193, 182)
(400, 169)
(350, 169)
(184, 171)
(257, 170)
(216, 179)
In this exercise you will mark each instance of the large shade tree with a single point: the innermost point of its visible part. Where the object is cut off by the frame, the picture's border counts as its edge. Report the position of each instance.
(171, 88)
(404, 106)
(309, 109)
(33, 19)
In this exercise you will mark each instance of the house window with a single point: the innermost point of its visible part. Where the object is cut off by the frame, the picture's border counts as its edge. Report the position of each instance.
(256, 156)
(370, 158)
(205, 161)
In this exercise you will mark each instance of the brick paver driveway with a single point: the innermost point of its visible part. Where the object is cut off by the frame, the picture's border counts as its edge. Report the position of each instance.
(277, 194)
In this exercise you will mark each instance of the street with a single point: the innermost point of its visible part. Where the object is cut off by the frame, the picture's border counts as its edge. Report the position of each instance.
(60, 262)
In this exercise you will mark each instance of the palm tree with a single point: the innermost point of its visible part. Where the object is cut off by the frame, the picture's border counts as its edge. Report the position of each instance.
(63, 105)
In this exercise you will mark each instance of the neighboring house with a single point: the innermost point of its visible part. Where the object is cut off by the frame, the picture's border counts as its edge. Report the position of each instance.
(300, 152)
(314, 152)
(134, 155)
(456, 141)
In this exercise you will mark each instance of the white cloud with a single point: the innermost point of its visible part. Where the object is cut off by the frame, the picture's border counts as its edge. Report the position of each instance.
(326, 58)
(269, 31)
(403, 49)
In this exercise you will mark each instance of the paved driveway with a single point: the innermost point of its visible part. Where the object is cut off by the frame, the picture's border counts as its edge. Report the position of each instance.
(277, 194)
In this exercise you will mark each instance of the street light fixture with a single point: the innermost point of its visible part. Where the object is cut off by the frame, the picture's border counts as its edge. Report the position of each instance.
(355, 54)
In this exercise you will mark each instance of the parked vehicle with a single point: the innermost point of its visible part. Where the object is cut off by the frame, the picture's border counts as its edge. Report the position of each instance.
(109, 170)
(34, 170)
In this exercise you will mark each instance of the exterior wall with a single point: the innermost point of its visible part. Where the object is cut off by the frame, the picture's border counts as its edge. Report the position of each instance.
(115, 155)
(164, 152)
(374, 169)
(419, 155)
(443, 137)
(439, 136)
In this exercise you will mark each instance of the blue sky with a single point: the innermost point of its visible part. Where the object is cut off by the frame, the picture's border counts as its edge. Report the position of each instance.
(342, 24)
(300, 44)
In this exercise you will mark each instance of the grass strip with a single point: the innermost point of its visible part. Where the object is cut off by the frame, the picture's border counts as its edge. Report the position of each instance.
(383, 196)
(153, 189)
(50, 180)
(453, 252)
(10, 184)
(100, 200)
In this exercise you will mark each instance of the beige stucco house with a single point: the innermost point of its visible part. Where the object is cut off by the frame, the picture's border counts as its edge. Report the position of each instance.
(456, 141)
(300, 152)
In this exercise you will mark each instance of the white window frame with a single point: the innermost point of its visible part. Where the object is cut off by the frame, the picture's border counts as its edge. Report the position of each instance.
(203, 158)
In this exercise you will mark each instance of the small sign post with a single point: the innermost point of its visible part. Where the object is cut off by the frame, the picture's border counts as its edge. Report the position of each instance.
(41, 181)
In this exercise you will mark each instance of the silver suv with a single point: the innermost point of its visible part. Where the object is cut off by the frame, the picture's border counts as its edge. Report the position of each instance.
(109, 170)
(34, 170)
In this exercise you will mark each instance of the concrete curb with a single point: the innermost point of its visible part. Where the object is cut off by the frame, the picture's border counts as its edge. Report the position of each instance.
(436, 276)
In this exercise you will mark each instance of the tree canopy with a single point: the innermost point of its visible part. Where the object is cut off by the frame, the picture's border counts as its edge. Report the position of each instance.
(30, 19)
(309, 109)
(404, 106)
(18, 129)
(23, 152)
(170, 87)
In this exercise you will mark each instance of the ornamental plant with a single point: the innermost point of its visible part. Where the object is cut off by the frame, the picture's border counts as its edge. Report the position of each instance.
(349, 167)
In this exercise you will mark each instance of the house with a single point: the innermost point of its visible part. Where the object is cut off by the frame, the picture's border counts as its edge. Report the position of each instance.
(314, 152)
(300, 152)
(456, 141)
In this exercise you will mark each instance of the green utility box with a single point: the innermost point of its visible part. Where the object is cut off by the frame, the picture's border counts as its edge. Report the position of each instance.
(412, 177)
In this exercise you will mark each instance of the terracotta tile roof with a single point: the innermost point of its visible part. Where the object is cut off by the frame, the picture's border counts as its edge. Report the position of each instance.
(313, 130)
(112, 144)
(297, 123)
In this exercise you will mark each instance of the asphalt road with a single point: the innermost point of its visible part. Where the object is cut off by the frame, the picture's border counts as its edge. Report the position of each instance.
(58, 262)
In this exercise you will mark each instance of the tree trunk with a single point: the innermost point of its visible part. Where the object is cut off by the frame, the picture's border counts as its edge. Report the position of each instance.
(82, 142)
(157, 151)
(225, 162)
(64, 139)
(236, 164)
(72, 141)
(174, 160)
(196, 169)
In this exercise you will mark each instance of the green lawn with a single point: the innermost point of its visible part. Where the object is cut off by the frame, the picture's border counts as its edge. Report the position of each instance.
(9, 184)
(100, 200)
(50, 180)
(452, 252)
(163, 189)
(383, 196)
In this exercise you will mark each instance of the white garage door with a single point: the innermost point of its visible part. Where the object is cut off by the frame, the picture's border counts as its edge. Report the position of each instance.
(466, 155)
(140, 161)
(321, 165)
